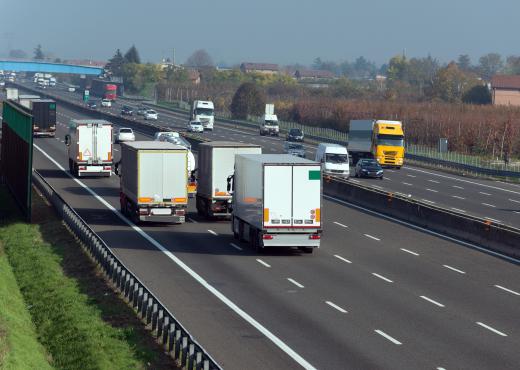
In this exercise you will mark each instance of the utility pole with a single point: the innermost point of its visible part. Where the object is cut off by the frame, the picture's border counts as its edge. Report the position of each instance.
(173, 60)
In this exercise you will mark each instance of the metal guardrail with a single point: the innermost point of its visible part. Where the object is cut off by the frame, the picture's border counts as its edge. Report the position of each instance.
(163, 325)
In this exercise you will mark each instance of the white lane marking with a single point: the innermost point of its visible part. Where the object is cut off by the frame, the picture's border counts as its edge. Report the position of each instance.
(212, 232)
(465, 181)
(415, 227)
(458, 209)
(407, 183)
(62, 141)
(372, 237)
(432, 190)
(409, 251)
(235, 246)
(116, 150)
(513, 200)
(493, 219)
(340, 224)
(336, 307)
(441, 368)
(491, 329)
(342, 258)
(434, 181)
(262, 262)
(507, 290)
(428, 201)
(387, 178)
(457, 187)
(382, 277)
(192, 220)
(481, 192)
(456, 196)
(411, 175)
(432, 301)
(244, 315)
(295, 283)
(488, 205)
(454, 269)
(384, 335)
(354, 180)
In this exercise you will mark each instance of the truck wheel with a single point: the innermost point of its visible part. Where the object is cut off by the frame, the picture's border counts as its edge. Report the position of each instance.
(257, 242)
(307, 250)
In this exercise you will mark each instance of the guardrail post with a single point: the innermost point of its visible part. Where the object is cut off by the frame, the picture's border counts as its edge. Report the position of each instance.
(160, 320)
(155, 312)
(205, 365)
(171, 337)
(198, 360)
(184, 350)
(164, 329)
(177, 350)
(142, 300)
(149, 311)
(190, 360)
(144, 307)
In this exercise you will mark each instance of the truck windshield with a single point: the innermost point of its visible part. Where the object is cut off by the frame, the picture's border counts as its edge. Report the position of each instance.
(336, 158)
(390, 140)
(203, 112)
(271, 123)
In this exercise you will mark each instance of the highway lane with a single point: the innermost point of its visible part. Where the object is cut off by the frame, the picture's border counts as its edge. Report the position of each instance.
(496, 201)
(381, 289)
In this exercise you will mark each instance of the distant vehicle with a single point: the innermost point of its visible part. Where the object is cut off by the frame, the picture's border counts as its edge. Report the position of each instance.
(89, 144)
(103, 89)
(150, 114)
(203, 111)
(334, 159)
(141, 110)
(12, 93)
(269, 124)
(25, 99)
(195, 126)
(296, 149)
(2, 83)
(295, 134)
(44, 117)
(127, 111)
(125, 134)
(92, 104)
(71, 89)
(369, 168)
(106, 103)
(162, 135)
(52, 81)
(178, 140)
(378, 139)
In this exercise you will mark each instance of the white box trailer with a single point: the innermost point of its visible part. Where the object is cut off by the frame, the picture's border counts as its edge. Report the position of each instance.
(216, 162)
(277, 201)
(12, 93)
(154, 179)
(89, 143)
(25, 99)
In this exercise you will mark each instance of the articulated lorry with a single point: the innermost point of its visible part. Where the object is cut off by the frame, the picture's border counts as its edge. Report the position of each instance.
(203, 111)
(44, 117)
(153, 181)
(89, 144)
(378, 139)
(277, 201)
(216, 162)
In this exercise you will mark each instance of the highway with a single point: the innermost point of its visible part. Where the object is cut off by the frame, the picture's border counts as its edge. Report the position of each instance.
(495, 201)
(377, 295)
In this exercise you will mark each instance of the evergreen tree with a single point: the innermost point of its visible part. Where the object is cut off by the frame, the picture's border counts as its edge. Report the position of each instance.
(132, 55)
(115, 64)
(38, 53)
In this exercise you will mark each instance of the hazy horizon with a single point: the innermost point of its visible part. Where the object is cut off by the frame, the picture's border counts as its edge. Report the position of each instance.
(286, 33)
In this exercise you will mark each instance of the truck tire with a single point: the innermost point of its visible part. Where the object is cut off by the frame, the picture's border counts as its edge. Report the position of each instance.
(235, 234)
(256, 241)
(307, 250)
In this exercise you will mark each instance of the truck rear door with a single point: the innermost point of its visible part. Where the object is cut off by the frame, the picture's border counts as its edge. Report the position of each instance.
(277, 196)
(175, 179)
(86, 150)
(306, 196)
(104, 143)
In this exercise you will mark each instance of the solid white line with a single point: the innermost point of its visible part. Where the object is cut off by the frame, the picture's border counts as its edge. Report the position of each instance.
(456, 196)
(458, 209)
(339, 224)
(336, 307)
(434, 181)
(383, 334)
(491, 329)
(458, 187)
(382, 277)
(489, 205)
(295, 283)
(244, 315)
(428, 201)
(212, 232)
(235, 246)
(354, 180)
(371, 237)
(343, 259)
(454, 269)
(507, 290)
(408, 251)
(433, 191)
(432, 301)
(263, 263)
(516, 201)
(481, 192)
(406, 183)
(493, 219)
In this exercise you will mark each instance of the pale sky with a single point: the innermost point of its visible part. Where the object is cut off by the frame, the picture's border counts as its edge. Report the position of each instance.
(281, 31)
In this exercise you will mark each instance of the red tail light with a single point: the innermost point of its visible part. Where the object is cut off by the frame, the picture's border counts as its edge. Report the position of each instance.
(82, 168)
(314, 236)
(144, 211)
(267, 237)
(180, 212)
(107, 168)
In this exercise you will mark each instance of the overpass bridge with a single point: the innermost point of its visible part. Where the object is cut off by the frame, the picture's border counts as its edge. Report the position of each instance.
(47, 67)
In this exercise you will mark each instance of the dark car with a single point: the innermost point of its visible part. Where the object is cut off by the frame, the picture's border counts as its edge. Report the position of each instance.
(92, 104)
(295, 134)
(127, 111)
(369, 168)
(141, 111)
(295, 149)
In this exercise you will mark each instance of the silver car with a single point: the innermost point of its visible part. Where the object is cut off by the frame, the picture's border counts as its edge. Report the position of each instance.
(125, 134)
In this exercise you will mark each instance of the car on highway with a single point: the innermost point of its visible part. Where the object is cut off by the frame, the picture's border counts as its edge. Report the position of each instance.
(71, 89)
(124, 134)
(141, 110)
(295, 149)
(295, 134)
(195, 126)
(127, 111)
(150, 114)
(368, 167)
(106, 103)
(92, 104)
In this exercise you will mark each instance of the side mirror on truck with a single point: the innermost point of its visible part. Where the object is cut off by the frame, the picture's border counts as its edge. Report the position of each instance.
(67, 140)
(230, 183)
(117, 170)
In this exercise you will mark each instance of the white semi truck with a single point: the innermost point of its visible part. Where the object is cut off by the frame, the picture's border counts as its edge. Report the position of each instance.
(203, 111)
(277, 201)
(89, 145)
(153, 181)
(216, 162)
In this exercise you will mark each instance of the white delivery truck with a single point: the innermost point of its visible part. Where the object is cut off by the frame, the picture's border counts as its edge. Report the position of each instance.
(153, 181)
(334, 159)
(89, 143)
(216, 162)
(203, 111)
(277, 201)
(12, 93)
(269, 124)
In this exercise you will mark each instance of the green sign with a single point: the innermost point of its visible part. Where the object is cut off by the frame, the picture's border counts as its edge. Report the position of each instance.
(314, 175)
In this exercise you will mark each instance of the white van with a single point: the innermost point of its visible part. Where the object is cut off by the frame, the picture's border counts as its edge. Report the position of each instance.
(334, 159)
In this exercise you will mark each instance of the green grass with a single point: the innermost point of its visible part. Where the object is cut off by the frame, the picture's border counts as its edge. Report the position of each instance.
(81, 323)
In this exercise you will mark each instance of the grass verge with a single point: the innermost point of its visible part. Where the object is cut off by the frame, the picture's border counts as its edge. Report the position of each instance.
(81, 323)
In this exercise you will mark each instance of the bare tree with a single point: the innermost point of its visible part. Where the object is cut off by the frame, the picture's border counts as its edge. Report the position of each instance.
(200, 58)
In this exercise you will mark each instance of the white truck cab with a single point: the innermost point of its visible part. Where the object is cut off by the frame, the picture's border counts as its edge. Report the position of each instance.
(334, 159)
(269, 124)
(203, 111)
